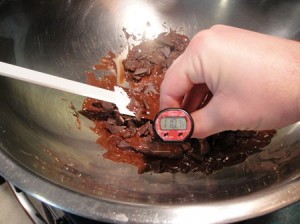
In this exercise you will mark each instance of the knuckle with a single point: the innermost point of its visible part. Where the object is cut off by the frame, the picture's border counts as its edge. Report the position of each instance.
(203, 40)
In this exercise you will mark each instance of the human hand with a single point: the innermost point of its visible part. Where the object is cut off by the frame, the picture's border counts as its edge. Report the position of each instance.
(254, 79)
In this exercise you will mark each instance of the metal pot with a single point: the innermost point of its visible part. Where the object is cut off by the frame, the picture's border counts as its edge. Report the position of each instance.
(51, 155)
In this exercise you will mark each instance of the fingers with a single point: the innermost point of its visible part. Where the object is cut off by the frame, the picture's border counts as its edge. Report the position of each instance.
(215, 117)
(184, 73)
(197, 98)
(203, 126)
(175, 85)
(206, 121)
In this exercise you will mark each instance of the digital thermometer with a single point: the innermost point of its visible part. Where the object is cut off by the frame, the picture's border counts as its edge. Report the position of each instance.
(173, 125)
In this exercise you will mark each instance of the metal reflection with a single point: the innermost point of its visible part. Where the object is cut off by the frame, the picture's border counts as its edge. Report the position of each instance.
(140, 18)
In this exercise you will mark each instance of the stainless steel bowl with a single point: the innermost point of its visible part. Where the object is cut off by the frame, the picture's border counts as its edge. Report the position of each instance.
(48, 153)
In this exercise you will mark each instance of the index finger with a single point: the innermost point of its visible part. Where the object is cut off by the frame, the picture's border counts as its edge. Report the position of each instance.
(176, 83)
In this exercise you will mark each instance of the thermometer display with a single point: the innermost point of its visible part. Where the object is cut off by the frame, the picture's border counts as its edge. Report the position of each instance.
(173, 125)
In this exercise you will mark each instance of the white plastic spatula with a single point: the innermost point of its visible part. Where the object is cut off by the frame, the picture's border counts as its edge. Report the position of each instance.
(118, 96)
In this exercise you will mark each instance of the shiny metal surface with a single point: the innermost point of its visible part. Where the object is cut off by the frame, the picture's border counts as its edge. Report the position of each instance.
(32, 213)
(47, 152)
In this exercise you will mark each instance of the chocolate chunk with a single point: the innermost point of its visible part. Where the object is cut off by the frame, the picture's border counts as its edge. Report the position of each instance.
(145, 129)
(130, 65)
(107, 105)
(135, 103)
(149, 138)
(111, 121)
(114, 129)
(204, 147)
(156, 166)
(146, 105)
(186, 146)
(127, 133)
(150, 89)
(166, 51)
(94, 115)
(244, 134)
(131, 124)
(136, 78)
(157, 59)
(196, 156)
(141, 71)
(119, 119)
(124, 145)
(137, 54)
(166, 40)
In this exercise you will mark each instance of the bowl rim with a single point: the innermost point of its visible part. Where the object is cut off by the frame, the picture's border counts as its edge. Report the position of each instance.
(232, 210)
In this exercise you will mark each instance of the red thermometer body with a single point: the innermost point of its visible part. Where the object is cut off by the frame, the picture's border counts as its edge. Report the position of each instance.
(173, 125)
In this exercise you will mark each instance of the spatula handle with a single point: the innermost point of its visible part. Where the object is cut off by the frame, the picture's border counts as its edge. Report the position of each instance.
(55, 82)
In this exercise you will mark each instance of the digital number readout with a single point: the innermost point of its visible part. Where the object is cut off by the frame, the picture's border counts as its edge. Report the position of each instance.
(173, 123)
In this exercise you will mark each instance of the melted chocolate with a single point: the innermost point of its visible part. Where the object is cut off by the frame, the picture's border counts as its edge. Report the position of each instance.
(131, 139)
